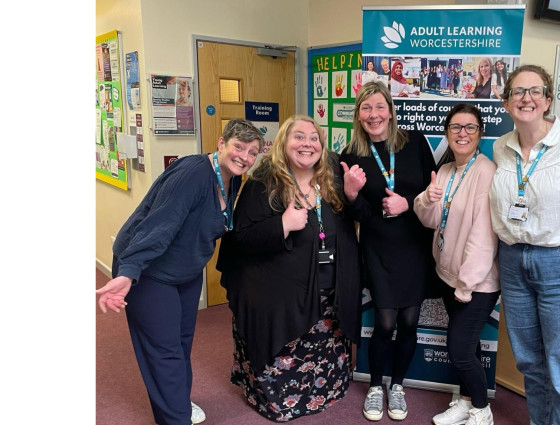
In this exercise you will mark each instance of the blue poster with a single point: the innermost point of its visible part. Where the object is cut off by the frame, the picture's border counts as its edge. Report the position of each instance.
(132, 81)
(433, 57)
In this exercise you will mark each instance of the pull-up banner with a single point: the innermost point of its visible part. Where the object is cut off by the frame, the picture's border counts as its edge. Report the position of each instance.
(433, 57)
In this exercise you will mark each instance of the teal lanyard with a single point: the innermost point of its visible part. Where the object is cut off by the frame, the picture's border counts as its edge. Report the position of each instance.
(316, 208)
(389, 176)
(447, 199)
(227, 216)
(522, 181)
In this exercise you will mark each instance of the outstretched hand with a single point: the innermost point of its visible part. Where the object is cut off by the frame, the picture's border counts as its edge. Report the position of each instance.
(434, 190)
(293, 219)
(113, 293)
(394, 204)
(354, 180)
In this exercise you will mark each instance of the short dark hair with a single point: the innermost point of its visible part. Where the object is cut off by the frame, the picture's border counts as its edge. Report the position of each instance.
(242, 130)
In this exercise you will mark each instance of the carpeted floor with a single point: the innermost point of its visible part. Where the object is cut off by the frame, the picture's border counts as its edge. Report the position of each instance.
(122, 398)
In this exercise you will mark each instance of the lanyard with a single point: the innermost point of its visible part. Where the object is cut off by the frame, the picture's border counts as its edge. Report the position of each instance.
(447, 199)
(228, 217)
(316, 208)
(389, 176)
(522, 181)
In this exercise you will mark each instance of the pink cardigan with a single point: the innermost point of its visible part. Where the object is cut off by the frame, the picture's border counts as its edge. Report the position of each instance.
(468, 261)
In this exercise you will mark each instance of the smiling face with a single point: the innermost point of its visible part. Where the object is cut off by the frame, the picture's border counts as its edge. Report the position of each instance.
(375, 116)
(484, 68)
(370, 66)
(236, 157)
(398, 69)
(303, 146)
(463, 144)
(527, 110)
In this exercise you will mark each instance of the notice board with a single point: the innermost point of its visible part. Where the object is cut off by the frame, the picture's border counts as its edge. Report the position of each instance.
(109, 109)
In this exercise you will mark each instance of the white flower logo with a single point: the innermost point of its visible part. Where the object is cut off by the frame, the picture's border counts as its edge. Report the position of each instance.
(393, 35)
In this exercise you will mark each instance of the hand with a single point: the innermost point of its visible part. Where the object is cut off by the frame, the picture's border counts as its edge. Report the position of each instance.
(293, 219)
(394, 204)
(402, 94)
(319, 85)
(338, 143)
(321, 110)
(338, 87)
(434, 190)
(113, 293)
(358, 84)
(354, 180)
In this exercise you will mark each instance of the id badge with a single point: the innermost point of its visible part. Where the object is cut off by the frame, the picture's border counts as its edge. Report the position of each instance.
(440, 240)
(518, 212)
(385, 215)
(326, 256)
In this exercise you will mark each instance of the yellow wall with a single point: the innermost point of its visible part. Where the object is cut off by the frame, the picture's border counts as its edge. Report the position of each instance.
(161, 31)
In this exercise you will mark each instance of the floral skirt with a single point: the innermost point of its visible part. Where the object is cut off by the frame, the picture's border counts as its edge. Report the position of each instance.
(307, 376)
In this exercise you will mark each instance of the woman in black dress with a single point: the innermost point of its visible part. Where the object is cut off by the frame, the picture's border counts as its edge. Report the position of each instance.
(396, 247)
(292, 274)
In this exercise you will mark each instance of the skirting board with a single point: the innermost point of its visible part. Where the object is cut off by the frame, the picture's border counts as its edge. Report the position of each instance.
(421, 385)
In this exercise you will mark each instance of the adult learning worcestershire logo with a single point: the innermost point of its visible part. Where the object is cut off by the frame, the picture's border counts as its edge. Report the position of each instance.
(394, 35)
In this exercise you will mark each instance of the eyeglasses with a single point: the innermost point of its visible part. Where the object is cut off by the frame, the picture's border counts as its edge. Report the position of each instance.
(469, 128)
(536, 92)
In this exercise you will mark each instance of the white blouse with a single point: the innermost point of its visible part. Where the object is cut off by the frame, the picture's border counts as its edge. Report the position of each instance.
(542, 192)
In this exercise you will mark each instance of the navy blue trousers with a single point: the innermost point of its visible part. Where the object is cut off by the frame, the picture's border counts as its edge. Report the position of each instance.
(161, 319)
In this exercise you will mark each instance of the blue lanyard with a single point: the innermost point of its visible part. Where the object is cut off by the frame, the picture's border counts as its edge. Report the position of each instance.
(522, 181)
(389, 176)
(447, 199)
(228, 217)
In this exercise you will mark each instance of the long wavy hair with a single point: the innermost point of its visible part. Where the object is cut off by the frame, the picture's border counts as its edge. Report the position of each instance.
(274, 170)
(359, 144)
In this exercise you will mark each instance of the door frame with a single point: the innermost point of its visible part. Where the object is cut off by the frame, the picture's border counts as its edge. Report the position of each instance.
(195, 38)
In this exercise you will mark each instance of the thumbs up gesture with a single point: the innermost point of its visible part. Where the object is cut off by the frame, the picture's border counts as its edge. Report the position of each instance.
(354, 180)
(434, 191)
(293, 219)
(394, 204)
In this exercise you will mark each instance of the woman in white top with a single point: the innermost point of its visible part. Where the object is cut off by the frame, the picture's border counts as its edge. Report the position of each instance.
(499, 77)
(525, 209)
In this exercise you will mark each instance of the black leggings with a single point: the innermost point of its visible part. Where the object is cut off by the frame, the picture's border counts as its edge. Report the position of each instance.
(406, 320)
(463, 341)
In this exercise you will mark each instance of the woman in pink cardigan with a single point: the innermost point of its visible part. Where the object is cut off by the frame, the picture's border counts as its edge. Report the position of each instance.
(456, 205)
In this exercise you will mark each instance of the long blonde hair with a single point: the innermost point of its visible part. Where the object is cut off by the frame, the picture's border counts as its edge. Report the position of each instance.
(274, 170)
(359, 144)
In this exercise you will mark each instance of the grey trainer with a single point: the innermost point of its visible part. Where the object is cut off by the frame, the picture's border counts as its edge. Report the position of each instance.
(397, 405)
(373, 405)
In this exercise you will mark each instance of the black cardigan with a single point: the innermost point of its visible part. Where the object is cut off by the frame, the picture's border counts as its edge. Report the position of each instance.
(272, 283)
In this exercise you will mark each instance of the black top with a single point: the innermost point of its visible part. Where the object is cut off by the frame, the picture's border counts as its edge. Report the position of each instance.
(172, 233)
(397, 252)
(272, 283)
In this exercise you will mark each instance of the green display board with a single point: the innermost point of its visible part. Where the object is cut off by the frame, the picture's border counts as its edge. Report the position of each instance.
(335, 76)
(109, 111)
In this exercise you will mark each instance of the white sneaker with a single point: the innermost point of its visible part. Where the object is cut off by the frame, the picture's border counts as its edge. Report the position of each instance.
(197, 415)
(457, 414)
(480, 416)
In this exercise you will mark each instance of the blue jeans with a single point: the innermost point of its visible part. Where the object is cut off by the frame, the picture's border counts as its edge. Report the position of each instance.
(530, 283)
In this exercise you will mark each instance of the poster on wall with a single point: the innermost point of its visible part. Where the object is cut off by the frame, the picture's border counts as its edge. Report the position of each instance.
(334, 79)
(265, 117)
(433, 57)
(172, 104)
(109, 119)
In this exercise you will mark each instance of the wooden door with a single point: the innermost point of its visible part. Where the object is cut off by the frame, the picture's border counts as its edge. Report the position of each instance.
(258, 78)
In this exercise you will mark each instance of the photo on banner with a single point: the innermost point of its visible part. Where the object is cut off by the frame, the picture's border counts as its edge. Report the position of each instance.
(432, 58)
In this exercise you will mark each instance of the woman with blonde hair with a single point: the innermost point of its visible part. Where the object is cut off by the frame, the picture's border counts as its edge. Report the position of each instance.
(399, 267)
(483, 80)
(292, 274)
